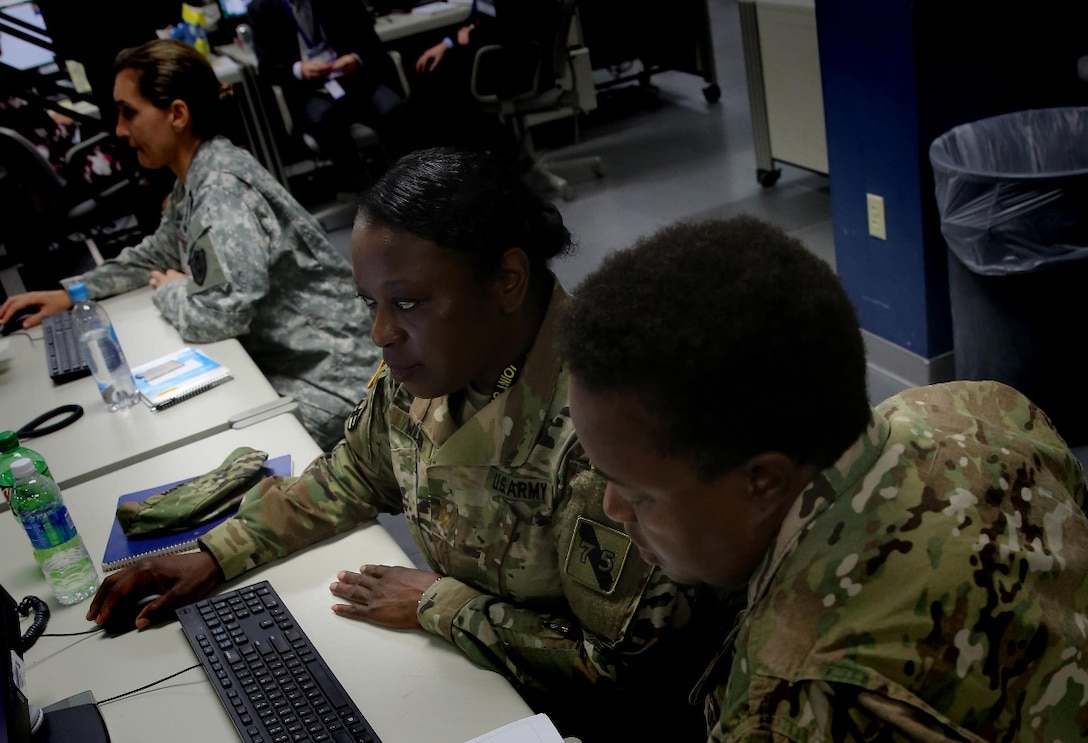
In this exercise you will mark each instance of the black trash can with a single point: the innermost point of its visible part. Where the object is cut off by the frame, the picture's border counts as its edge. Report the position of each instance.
(1012, 192)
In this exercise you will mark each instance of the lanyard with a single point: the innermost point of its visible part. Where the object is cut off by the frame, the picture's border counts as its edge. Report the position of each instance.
(316, 28)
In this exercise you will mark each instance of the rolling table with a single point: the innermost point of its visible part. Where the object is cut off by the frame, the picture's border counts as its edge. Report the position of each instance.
(411, 686)
(785, 94)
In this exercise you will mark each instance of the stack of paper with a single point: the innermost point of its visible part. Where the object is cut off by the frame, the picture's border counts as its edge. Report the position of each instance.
(536, 729)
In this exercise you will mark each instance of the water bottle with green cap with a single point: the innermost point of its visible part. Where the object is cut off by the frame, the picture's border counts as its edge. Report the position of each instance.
(10, 450)
(58, 548)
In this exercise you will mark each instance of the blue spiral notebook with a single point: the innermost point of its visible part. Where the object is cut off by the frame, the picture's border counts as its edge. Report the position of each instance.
(122, 550)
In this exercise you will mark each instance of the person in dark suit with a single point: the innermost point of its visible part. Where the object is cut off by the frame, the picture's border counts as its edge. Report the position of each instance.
(442, 75)
(333, 70)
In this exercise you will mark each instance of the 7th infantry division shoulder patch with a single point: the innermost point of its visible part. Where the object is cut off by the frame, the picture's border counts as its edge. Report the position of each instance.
(596, 555)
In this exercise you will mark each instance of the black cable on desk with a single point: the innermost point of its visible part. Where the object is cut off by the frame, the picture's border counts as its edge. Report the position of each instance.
(147, 686)
(37, 427)
(73, 634)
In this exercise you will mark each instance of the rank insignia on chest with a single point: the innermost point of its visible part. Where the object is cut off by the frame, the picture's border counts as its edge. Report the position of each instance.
(596, 555)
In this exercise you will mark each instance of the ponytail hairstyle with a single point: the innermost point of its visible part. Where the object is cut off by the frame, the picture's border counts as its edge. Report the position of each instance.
(469, 202)
(172, 70)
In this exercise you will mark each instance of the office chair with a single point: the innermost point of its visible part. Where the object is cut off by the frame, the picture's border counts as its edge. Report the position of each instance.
(48, 219)
(306, 157)
(364, 136)
(520, 81)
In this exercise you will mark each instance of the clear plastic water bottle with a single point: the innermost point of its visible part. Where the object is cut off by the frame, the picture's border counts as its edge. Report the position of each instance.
(58, 548)
(243, 37)
(9, 452)
(101, 349)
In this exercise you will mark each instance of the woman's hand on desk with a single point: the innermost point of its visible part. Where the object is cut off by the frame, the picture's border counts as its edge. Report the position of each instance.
(158, 278)
(382, 594)
(47, 303)
(179, 579)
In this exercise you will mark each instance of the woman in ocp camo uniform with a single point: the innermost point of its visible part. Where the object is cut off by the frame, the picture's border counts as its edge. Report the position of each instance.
(466, 430)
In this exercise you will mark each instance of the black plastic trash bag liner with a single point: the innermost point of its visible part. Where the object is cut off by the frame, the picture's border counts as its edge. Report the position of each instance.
(1012, 190)
(1013, 198)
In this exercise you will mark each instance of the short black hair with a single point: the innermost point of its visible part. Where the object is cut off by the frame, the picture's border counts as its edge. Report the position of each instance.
(736, 339)
(470, 202)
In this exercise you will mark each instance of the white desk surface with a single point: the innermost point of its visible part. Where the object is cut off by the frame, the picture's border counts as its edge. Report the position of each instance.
(411, 687)
(101, 441)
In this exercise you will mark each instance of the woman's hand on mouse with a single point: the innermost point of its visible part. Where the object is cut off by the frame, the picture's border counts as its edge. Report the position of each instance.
(179, 579)
(46, 302)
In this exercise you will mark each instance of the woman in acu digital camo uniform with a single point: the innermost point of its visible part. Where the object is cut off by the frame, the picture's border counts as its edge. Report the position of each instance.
(235, 256)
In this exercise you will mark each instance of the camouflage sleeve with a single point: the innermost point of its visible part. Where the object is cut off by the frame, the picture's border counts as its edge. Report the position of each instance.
(598, 636)
(337, 492)
(840, 712)
(230, 232)
(538, 649)
(132, 266)
(530, 647)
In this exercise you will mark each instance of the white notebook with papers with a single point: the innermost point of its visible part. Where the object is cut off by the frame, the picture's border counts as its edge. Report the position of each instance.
(178, 376)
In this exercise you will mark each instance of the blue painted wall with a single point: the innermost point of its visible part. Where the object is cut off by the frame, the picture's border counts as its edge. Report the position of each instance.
(896, 74)
(871, 107)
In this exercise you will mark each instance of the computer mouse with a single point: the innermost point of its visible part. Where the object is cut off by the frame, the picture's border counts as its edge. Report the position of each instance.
(16, 320)
(123, 617)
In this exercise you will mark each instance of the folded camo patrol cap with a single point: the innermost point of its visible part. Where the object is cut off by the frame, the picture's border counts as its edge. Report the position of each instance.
(192, 503)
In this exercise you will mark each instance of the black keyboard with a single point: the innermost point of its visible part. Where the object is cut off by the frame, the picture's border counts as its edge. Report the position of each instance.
(266, 671)
(62, 354)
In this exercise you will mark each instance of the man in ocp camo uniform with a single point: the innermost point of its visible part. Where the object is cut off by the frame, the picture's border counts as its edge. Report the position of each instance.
(915, 571)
